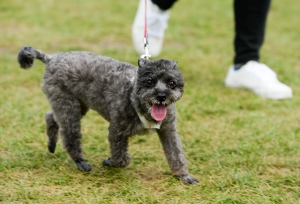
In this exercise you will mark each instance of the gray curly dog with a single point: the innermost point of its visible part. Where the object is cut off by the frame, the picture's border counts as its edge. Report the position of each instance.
(134, 100)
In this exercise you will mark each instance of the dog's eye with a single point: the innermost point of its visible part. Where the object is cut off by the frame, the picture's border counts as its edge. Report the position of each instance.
(172, 84)
(149, 82)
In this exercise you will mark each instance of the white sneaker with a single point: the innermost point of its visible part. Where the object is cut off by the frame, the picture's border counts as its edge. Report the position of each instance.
(157, 21)
(258, 78)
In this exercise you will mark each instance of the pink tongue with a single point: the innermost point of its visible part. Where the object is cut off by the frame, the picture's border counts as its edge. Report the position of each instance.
(159, 112)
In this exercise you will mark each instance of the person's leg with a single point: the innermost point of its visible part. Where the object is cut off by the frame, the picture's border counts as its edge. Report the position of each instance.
(164, 4)
(250, 21)
(250, 18)
(157, 20)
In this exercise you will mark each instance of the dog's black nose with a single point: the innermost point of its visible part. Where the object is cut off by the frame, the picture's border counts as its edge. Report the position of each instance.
(161, 97)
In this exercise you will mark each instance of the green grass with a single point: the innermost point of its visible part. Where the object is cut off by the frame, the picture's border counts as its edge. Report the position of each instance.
(243, 149)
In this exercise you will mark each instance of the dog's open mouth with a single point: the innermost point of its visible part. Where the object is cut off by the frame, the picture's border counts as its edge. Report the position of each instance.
(158, 112)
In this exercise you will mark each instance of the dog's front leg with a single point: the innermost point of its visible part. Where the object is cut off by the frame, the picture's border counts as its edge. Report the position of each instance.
(118, 149)
(172, 146)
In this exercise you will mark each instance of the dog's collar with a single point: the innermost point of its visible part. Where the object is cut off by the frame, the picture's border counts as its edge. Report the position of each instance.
(149, 124)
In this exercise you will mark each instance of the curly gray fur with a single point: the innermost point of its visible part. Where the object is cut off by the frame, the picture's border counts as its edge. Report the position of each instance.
(122, 93)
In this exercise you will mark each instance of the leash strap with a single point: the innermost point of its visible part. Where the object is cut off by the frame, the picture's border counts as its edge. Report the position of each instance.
(146, 55)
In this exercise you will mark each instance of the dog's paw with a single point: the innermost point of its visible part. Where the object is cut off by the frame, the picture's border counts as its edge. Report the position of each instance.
(116, 164)
(106, 162)
(51, 147)
(83, 166)
(188, 179)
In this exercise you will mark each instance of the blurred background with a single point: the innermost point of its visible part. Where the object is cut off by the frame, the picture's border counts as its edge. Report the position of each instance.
(243, 148)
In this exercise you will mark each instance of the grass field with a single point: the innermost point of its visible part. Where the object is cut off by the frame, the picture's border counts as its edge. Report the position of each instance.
(243, 149)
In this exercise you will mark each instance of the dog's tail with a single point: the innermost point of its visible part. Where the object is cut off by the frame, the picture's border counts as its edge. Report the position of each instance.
(27, 55)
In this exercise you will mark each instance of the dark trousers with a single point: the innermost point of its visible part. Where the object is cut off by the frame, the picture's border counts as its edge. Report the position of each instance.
(250, 18)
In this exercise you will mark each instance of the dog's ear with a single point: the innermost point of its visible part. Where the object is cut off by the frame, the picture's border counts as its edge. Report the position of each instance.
(142, 62)
(174, 64)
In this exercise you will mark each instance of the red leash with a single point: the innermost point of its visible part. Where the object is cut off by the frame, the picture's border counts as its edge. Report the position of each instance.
(145, 23)
(146, 55)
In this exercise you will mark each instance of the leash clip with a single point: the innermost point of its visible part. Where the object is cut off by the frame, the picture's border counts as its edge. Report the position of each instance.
(146, 55)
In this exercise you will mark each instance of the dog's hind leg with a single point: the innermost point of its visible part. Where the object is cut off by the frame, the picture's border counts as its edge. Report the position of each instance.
(68, 112)
(52, 131)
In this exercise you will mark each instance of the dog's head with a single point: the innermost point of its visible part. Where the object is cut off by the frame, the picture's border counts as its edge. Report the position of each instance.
(159, 84)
